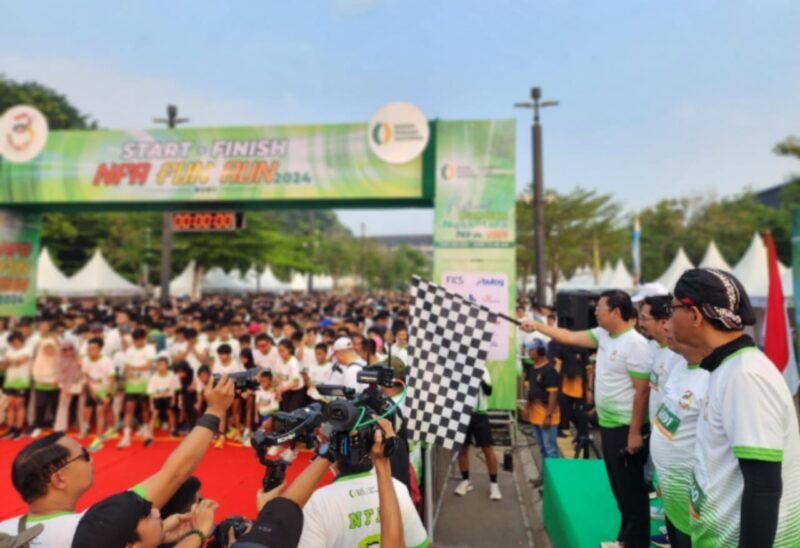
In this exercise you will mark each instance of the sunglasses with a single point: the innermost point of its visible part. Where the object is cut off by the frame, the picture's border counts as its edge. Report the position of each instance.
(84, 454)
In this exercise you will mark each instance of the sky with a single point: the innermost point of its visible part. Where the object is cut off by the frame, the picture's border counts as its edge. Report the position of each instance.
(657, 100)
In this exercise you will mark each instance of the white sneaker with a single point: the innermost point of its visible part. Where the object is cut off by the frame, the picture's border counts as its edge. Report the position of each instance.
(124, 442)
(611, 544)
(464, 487)
(494, 492)
(140, 433)
(36, 433)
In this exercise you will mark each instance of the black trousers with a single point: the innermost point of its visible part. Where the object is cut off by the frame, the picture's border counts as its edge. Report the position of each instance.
(626, 475)
(570, 410)
(677, 539)
(46, 405)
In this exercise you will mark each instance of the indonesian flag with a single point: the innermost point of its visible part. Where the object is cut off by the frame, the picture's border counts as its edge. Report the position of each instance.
(778, 344)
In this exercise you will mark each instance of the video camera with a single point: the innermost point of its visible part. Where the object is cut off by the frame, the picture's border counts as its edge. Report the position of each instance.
(350, 416)
(244, 380)
(299, 425)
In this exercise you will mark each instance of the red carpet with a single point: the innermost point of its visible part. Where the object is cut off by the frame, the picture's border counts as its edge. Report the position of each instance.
(231, 476)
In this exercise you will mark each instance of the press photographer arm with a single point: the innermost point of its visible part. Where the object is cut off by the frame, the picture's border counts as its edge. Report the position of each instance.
(180, 464)
(392, 535)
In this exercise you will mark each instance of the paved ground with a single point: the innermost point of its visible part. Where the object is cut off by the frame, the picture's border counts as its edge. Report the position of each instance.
(476, 521)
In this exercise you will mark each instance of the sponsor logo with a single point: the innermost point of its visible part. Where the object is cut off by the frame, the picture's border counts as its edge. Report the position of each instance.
(398, 133)
(686, 400)
(23, 133)
(448, 172)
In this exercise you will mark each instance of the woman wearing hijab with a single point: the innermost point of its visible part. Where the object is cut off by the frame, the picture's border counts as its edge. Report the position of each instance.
(70, 383)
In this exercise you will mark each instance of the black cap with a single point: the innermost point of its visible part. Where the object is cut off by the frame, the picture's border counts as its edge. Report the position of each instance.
(279, 524)
(111, 522)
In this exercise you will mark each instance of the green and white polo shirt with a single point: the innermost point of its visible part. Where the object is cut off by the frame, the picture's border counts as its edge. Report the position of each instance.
(748, 414)
(619, 359)
(664, 360)
(672, 441)
(345, 514)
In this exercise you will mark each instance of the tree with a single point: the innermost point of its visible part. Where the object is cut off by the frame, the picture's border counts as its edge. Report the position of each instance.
(663, 227)
(60, 113)
(572, 222)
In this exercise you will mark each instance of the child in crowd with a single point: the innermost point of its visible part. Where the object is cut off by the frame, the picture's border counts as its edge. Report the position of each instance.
(17, 364)
(98, 371)
(201, 381)
(320, 373)
(162, 389)
(137, 366)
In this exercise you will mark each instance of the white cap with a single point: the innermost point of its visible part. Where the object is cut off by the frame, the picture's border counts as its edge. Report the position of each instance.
(652, 289)
(342, 343)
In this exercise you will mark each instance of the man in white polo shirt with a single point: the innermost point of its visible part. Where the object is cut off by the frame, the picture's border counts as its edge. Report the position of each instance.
(621, 397)
(746, 480)
(346, 365)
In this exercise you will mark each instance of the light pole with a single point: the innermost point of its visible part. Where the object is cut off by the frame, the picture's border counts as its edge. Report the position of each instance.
(172, 121)
(538, 188)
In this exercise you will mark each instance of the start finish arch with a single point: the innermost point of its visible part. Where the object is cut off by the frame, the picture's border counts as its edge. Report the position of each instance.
(464, 170)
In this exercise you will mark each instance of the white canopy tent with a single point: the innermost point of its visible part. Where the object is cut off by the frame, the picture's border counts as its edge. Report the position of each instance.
(269, 283)
(49, 279)
(183, 283)
(216, 281)
(98, 278)
(605, 275)
(242, 281)
(675, 270)
(714, 259)
(752, 271)
(322, 282)
(298, 282)
(583, 278)
(620, 278)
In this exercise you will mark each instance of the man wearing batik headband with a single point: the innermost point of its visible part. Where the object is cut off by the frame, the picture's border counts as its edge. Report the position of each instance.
(746, 478)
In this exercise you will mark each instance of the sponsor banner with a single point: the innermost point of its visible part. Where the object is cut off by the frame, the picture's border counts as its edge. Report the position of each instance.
(319, 162)
(474, 231)
(398, 133)
(23, 133)
(19, 251)
(487, 276)
(475, 184)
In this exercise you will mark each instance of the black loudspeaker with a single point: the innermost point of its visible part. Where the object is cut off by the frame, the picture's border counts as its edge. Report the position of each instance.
(575, 309)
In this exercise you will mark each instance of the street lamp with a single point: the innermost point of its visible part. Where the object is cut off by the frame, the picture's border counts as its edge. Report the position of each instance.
(172, 121)
(538, 188)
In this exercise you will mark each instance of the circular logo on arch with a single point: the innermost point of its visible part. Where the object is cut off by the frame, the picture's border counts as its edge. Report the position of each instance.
(23, 133)
(398, 133)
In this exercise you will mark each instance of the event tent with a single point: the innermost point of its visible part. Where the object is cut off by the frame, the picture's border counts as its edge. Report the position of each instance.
(49, 279)
(98, 278)
(605, 275)
(582, 279)
(677, 267)
(714, 259)
(216, 281)
(752, 271)
(183, 283)
(269, 283)
(620, 278)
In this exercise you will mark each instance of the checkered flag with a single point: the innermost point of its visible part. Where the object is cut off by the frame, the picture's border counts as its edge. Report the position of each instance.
(449, 340)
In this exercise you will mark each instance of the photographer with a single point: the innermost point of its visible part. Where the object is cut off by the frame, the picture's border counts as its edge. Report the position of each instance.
(382, 513)
(52, 473)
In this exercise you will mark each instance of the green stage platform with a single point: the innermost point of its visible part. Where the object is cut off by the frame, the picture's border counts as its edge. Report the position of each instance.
(579, 510)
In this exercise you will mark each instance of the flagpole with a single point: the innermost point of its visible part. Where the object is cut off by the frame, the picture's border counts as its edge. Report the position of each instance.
(429, 492)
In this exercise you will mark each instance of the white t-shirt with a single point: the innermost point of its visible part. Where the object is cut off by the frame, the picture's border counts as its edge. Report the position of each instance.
(98, 373)
(59, 529)
(748, 414)
(664, 360)
(266, 402)
(345, 514)
(138, 363)
(619, 358)
(191, 357)
(348, 376)
(235, 366)
(308, 360)
(288, 371)
(18, 377)
(233, 343)
(163, 386)
(268, 360)
(673, 438)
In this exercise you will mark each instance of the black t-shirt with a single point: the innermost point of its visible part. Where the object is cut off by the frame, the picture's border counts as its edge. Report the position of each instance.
(540, 379)
(573, 360)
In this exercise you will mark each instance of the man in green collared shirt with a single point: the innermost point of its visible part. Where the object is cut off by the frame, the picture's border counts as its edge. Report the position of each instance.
(621, 396)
